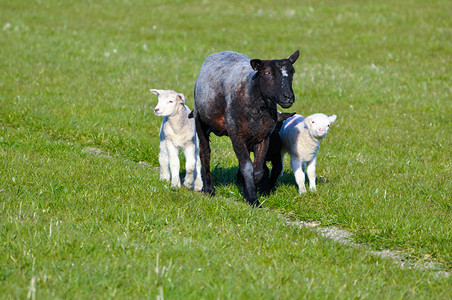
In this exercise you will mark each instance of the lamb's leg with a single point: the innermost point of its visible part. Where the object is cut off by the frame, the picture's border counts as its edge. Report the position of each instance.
(164, 162)
(297, 168)
(204, 155)
(190, 164)
(197, 174)
(310, 170)
(174, 162)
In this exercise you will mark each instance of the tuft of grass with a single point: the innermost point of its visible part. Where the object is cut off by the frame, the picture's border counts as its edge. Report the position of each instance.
(80, 223)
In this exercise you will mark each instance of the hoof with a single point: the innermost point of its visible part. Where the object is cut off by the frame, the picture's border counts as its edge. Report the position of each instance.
(254, 203)
(209, 191)
(264, 191)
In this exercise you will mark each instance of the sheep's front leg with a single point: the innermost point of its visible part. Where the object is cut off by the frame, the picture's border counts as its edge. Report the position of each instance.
(260, 151)
(297, 167)
(190, 164)
(261, 172)
(164, 161)
(174, 163)
(310, 170)
(246, 170)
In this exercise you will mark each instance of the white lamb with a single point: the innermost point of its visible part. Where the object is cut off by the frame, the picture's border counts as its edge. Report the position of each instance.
(177, 132)
(301, 138)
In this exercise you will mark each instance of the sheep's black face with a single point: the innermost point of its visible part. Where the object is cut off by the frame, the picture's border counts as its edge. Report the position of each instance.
(275, 78)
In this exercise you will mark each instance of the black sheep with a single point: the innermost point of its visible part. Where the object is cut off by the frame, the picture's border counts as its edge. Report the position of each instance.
(237, 97)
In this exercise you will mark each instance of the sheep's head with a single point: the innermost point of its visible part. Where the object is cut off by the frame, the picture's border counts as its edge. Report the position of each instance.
(168, 102)
(319, 124)
(275, 79)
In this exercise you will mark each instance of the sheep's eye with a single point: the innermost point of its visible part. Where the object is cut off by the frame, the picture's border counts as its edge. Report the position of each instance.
(313, 122)
(267, 72)
(171, 101)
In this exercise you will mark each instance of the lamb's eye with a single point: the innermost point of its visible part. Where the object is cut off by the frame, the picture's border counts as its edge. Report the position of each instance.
(313, 122)
(267, 72)
(171, 101)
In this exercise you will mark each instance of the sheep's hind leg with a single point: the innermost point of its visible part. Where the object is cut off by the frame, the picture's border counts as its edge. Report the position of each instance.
(277, 169)
(265, 186)
(204, 155)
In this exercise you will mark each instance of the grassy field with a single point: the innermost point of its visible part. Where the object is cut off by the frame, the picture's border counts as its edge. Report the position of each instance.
(82, 223)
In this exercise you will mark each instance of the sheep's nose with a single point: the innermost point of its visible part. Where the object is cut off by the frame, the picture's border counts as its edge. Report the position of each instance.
(156, 110)
(286, 102)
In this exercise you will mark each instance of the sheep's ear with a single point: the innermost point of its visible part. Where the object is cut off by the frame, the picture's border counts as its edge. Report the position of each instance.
(155, 92)
(332, 118)
(284, 116)
(256, 64)
(180, 98)
(293, 58)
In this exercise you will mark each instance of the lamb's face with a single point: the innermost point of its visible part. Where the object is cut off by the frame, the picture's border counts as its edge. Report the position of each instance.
(168, 102)
(319, 124)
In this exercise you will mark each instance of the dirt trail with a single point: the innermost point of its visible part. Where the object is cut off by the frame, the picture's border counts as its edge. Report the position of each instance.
(345, 237)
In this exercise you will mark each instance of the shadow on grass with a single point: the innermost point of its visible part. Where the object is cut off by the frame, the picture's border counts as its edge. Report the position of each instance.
(224, 176)
(228, 176)
(220, 176)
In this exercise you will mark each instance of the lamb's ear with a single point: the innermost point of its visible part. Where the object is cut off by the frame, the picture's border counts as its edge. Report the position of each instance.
(180, 98)
(155, 92)
(332, 118)
(256, 64)
(293, 58)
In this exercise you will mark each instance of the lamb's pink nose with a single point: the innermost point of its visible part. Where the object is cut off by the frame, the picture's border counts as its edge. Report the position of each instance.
(156, 111)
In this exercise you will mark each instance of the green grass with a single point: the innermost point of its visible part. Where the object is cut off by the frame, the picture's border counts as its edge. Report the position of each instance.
(76, 74)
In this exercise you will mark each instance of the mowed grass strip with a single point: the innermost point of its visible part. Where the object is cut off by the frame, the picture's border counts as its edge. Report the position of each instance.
(77, 74)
